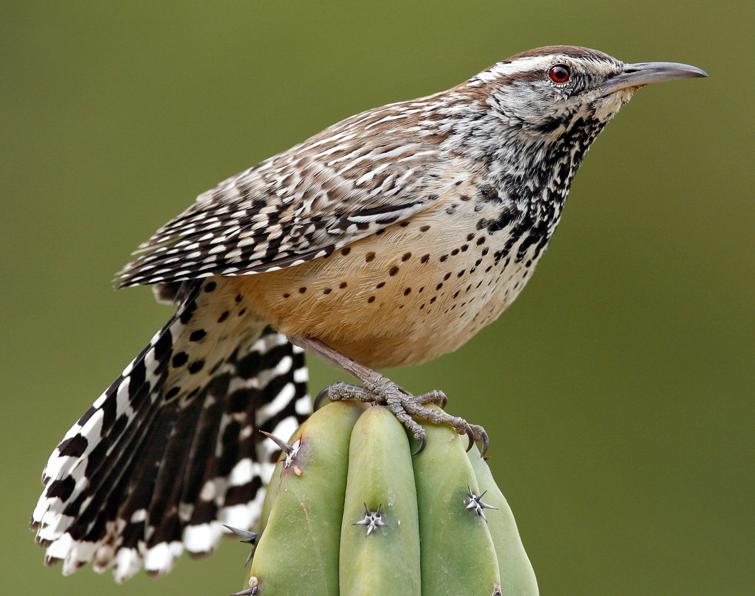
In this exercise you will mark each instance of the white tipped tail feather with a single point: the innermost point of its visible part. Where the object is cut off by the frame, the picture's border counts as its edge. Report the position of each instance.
(170, 451)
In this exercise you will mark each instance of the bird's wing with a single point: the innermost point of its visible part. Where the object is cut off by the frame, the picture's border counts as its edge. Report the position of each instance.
(342, 185)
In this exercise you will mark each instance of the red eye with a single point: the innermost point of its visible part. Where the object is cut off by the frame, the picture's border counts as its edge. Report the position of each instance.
(559, 74)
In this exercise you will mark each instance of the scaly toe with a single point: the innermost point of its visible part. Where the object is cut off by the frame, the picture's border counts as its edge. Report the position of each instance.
(344, 391)
(475, 432)
(407, 408)
(398, 403)
(435, 397)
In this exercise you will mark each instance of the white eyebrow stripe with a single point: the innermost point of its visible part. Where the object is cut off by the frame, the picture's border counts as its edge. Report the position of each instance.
(502, 69)
(536, 63)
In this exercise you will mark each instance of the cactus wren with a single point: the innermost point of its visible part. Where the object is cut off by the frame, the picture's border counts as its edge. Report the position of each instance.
(388, 239)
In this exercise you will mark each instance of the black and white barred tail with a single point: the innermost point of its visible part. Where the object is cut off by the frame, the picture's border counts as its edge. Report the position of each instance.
(169, 452)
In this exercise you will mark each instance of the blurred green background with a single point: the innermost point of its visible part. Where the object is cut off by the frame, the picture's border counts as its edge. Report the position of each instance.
(617, 390)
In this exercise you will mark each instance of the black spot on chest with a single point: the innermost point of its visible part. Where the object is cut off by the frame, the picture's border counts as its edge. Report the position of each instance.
(488, 194)
(506, 216)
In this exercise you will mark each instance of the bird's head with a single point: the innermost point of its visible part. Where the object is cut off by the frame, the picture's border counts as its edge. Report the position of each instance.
(532, 117)
(545, 91)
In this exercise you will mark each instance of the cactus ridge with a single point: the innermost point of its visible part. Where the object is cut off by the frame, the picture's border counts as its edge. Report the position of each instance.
(349, 511)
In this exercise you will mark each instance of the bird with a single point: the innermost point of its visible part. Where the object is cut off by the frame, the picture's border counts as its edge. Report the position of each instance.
(388, 239)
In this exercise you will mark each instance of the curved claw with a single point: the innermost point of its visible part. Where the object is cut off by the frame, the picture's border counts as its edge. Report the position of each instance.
(485, 443)
(420, 444)
(323, 394)
(470, 437)
(477, 434)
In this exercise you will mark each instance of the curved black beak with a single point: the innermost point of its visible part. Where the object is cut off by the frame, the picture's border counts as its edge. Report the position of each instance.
(647, 73)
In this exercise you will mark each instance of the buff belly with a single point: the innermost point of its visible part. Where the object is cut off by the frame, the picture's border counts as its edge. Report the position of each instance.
(420, 289)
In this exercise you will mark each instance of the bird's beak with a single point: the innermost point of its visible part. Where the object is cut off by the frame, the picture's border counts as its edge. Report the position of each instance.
(647, 73)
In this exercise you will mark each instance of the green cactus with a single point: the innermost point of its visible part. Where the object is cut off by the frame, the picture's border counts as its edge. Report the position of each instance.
(351, 511)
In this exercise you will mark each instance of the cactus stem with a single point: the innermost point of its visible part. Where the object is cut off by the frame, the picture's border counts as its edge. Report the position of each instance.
(291, 451)
(371, 519)
(247, 537)
(475, 503)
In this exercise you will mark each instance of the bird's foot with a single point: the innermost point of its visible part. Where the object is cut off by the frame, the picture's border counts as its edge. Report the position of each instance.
(408, 409)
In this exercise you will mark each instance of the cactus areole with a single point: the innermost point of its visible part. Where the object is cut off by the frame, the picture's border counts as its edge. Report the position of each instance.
(349, 511)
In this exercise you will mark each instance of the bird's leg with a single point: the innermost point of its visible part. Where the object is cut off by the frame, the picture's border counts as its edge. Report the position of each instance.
(379, 389)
